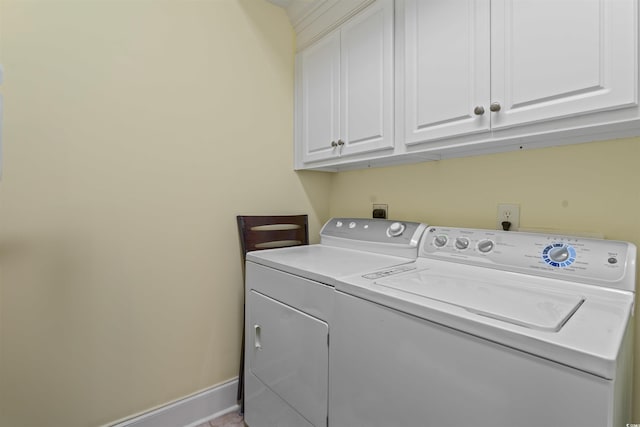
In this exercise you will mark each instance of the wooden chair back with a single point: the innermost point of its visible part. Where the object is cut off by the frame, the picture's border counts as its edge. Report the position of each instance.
(260, 232)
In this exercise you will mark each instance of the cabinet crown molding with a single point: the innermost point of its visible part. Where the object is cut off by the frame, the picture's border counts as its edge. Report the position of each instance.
(312, 19)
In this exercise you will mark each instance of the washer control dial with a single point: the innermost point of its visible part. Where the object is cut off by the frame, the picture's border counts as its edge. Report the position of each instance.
(485, 246)
(440, 241)
(395, 229)
(559, 255)
(462, 243)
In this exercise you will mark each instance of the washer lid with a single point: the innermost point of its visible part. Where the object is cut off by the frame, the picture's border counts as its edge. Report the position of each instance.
(532, 308)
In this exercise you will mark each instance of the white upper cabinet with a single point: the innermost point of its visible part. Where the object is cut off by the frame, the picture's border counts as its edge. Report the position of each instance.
(344, 89)
(463, 77)
(447, 68)
(474, 66)
(366, 103)
(319, 95)
(560, 58)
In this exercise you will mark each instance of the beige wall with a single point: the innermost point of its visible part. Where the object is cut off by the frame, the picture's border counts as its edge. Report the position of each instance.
(592, 188)
(135, 131)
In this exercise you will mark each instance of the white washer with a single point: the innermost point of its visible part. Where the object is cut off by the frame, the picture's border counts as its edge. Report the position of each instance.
(490, 329)
(289, 308)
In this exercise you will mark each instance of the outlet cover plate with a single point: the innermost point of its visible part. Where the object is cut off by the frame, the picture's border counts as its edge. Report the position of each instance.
(508, 212)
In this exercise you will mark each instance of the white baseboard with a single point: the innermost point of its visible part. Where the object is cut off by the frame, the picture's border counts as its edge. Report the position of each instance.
(189, 411)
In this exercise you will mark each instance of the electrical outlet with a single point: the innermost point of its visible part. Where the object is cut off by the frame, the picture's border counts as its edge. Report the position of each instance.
(509, 213)
(379, 211)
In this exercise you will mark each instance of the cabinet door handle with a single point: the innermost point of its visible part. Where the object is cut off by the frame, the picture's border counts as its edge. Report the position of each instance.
(256, 337)
(334, 144)
(479, 110)
(495, 107)
(340, 142)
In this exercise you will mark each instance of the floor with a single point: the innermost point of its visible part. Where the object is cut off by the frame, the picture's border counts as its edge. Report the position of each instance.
(232, 419)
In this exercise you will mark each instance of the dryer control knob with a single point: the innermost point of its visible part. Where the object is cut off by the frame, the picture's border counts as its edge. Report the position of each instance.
(462, 243)
(395, 229)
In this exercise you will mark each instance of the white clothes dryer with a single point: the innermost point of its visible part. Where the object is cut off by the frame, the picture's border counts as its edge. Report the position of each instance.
(490, 329)
(289, 309)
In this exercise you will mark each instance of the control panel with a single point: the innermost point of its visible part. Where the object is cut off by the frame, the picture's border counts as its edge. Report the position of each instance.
(595, 261)
(373, 230)
(397, 238)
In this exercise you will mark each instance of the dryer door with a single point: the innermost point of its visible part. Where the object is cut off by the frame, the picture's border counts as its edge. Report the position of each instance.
(290, 355)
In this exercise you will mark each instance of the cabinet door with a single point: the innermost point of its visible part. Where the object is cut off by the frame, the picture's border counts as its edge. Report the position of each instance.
(446, 68)
(561, 58)
(290, 355)
(367, 80)
(318, 98)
